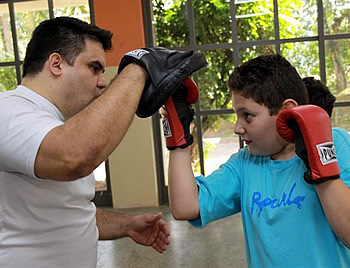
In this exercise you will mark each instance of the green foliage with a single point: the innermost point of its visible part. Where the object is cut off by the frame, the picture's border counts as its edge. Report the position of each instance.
(303, 56)
(297, 18)
(25, 25)
(254, 20)
(212, 22)
(79, 12)
(6, 44)
(172, 23)
(8, 78)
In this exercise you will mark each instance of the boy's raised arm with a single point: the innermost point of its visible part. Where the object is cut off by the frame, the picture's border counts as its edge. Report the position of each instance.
(183, 191)
(177, 117)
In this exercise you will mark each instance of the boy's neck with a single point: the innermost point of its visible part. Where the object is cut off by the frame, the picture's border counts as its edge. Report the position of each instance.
(286, 153)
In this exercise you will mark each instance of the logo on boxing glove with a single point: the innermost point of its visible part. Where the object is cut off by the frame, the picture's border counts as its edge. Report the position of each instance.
(137, 53)
(327, 153)
(166, 128)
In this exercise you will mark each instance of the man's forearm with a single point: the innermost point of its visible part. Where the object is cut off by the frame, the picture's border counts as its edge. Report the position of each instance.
(112, 225)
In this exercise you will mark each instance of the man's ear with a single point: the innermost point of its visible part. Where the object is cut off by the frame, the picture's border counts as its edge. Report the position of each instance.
(55, 63)
(288, 103)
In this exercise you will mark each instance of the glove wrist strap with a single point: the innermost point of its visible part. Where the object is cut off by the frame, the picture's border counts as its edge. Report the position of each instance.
(308, 178)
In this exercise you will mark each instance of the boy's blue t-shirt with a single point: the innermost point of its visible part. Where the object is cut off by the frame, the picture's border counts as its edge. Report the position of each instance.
(283, 220)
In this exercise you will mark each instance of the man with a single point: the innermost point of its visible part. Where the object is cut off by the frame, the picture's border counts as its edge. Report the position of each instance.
(57, 127)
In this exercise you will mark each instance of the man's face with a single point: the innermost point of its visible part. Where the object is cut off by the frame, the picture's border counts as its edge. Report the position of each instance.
(256, 127)
(84, 81)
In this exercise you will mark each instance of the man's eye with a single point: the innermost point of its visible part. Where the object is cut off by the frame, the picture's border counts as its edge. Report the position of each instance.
(95, 69)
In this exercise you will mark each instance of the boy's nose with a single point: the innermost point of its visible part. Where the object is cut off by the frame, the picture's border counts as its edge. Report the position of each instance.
(239, 130)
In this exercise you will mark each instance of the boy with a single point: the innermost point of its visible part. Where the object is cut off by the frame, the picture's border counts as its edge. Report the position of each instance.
(288, 221)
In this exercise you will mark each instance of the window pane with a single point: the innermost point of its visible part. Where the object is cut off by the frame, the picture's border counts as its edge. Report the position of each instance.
(6, 42)
(338, 68)
(303, 56)
(219, 140)
(8, 80)
(336, 16)
(75, 8)
(100, 177)
(214, 93)
(297, 18)
(341, 117)
(254, 20)
(212, 22)
(248, 53)
(171, 23)
(29, 14)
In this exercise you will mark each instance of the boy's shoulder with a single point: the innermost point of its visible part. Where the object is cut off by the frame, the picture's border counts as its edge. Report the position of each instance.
(340, 132)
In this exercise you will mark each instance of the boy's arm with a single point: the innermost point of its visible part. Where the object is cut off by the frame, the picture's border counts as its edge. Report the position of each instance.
(183, 190)
(177, 117)
(310, 128)
(335, 199)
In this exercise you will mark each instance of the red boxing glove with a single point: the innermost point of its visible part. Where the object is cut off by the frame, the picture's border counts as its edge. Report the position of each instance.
(178, 115)
(310, 127)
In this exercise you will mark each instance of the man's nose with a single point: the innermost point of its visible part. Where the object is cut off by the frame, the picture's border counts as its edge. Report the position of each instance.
(101, 83)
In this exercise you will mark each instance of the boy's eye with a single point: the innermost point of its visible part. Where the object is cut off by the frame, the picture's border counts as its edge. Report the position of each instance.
(248, 116)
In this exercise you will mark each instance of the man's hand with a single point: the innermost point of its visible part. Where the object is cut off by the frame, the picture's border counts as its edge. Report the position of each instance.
(167, 70)
(150, 230)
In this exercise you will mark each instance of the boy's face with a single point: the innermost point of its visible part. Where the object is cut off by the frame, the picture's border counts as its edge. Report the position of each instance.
(257, 127)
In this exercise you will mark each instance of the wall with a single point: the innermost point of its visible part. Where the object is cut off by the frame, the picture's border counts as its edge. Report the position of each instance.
(132, 164)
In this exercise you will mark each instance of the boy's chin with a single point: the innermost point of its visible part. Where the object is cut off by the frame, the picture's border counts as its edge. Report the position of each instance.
(257, 152)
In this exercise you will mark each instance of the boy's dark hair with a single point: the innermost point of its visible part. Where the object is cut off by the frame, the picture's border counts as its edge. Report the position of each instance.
(268, 80)
(319, 94)
(65, 36)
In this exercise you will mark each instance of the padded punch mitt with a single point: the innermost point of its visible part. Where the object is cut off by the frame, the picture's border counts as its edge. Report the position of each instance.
(167, 70)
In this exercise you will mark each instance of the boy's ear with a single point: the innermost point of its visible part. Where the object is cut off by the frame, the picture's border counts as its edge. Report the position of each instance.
(55, 63)
(288, 103)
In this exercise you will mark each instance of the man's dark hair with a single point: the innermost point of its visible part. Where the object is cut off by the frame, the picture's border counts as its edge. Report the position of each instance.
(63, 35)
(319, 94)
(268, 80)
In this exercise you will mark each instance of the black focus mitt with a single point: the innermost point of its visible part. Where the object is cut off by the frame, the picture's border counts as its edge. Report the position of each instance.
(167, 70)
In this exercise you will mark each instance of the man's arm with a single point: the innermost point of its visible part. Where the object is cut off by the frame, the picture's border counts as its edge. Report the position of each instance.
(144, 229)
(75, 149)
(183, 190)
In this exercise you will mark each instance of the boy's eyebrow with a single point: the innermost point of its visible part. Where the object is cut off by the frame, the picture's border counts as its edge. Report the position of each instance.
(239, 109)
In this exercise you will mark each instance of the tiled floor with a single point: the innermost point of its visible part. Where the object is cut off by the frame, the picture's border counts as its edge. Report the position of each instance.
(220, 244)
